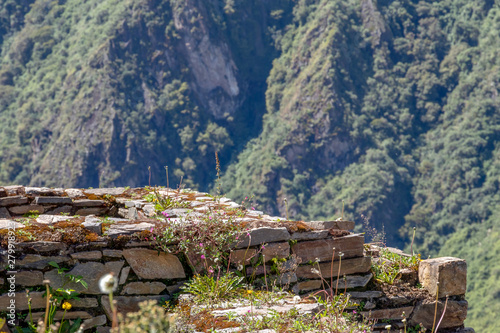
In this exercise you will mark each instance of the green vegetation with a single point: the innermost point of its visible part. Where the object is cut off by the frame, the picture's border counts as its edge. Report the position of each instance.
(389, 106)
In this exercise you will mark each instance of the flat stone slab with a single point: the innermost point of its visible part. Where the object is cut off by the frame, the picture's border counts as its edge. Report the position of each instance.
(339, 225)
(456, 312)
(143, 288)
(347, 267)
(276, 250)
(36, 261)
(451, 273)
(396, 313)
(104, 191)
(91, 273)
(6, 224)
(117, 229)
(42, 246)
(34, 191)
(126, 304)
(51, 219)
(366, 294)
(25, 209)
(29, 278)
(88, 203)
(302, 308)
(13, 200)
(53, 201)
(351, 246)
(148, 264)
(89, 255)
(263, 235)
(37, 300)
(310, 235)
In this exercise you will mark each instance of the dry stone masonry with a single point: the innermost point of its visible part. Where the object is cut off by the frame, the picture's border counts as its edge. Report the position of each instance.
(107, 225)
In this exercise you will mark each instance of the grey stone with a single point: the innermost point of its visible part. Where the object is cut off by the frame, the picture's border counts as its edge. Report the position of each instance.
(3, 193)
(60, 210)
(37, 300)
(91, 211)
(354, 281)
(366, 294)
(36, 261)
(283, 279)
(276, 250)
(339, 225)
(149, 210)
(6, 224)
(176, 288)
(34, 191)
(126, 304)
(14, 190)
(101, 329)
(95, 227)
(149, 264)
(59, 314)
(396, 313)
(14, 200)
(143, 288)
(88, 203)
(29, 278)
(117, 229)
(451, 273)
(347, 267)
(51, 219)
(132, 213)
(112, 253)
(43, 247)
(351, 246)
(456, 312)
(263, 235)
(103, 191)
(124, 275)
(302, 308)
(91, 273)
(74, 193)
(87, 302)
(310, 235)
(25, 209)
(90, 255)
(4, 213)
(53, 201)
(95, 321)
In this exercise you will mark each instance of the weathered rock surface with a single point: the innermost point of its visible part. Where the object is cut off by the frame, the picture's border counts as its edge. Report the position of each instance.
(456, 312)
(149, 264)
(351, 246)
(28, 278)
(451, 273)
(347, 266)
(143, 288)
(263, 235)
(91, 273)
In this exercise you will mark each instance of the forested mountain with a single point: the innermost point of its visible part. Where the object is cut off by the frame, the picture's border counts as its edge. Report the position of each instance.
(389, 106)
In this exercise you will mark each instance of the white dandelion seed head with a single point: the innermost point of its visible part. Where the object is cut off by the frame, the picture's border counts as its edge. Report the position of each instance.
(108, 283)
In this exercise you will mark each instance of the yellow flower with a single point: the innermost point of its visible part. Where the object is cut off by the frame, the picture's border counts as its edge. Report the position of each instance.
(249, 292)
(66, 306)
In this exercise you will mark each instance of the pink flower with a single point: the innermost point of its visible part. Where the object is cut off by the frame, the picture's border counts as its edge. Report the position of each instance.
(246, 198)
(165, 213)
(151, 229)
(210, 270)
(202, 256)
(253, 208)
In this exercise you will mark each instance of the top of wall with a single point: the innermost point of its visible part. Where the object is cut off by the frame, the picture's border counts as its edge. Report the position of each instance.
(125, 215)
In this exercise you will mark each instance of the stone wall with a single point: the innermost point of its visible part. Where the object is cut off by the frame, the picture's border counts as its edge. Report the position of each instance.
(107, 231)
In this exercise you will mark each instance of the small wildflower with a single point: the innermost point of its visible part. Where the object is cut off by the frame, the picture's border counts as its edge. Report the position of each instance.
(249, 292)
(108, 283)
(201, 244)
(253, 208)
(388, 327)
(315, 271)
(66, 306)
(240, 267)
(202, 256)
